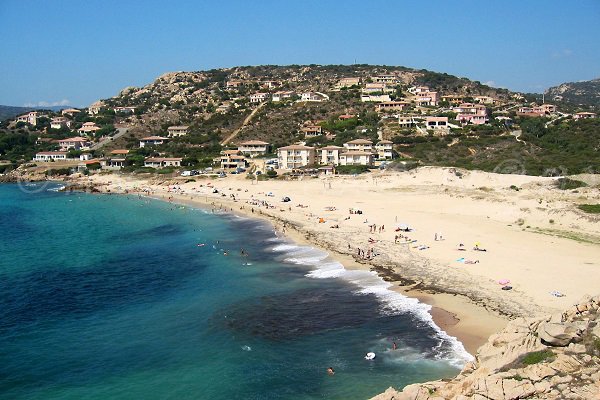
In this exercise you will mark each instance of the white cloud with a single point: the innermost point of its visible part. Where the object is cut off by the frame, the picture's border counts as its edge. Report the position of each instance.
(63, 102)
(564, 53)
(490, 83)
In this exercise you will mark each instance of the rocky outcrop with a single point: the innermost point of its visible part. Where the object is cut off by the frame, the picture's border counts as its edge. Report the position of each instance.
(555, 357)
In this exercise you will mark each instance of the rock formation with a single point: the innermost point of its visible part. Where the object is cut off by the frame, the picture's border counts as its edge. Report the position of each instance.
(556, 357)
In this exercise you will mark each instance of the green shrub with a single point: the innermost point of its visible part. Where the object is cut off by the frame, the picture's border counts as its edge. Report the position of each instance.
(351, 169)
(537, 357)
(567, 183)
(590, 208)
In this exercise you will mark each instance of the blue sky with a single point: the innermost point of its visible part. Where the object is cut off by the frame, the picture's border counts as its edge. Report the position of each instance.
(75, 52)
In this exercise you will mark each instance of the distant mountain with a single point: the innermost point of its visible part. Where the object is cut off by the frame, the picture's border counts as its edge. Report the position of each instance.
(586, 93)
(9, 112)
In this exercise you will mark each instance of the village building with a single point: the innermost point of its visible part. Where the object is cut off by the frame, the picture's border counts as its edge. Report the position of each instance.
(70, 111)
(452, 99)
(224, 107)
(76, 143)
(178, 130)
(348, 82)
(314, 96)
(59, 123)
(270, 84)
(391, 106)
(295, 156)
(584, 115)
(254, 148)
(469, 113)
(124, 110)
(356, 157)
(377, 98)
(259, 97)
(50, 156)
(161, 162)
(406, 121)
(85, 156)
(385, 150)
(233, 84)
(88, 128)
(311, 130)
(427, 98)
(95, 108)
(377, 88)
(114, 163)
(30, 118)
(359, 145)
(484, 100)
(330, 155)
(436, 123)
(152, 141)
(282, 96)
(232, 159)
(386, 78)
(418, 89)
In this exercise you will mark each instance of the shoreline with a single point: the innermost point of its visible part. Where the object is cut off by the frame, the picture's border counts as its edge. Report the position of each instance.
(466, 299)
(470, 323)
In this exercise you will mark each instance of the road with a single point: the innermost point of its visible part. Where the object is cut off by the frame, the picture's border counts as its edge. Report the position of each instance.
(99, 145)
(246, 121)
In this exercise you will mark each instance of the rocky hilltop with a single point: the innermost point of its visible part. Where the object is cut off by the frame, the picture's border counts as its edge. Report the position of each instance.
(555, 357)
(586, 93)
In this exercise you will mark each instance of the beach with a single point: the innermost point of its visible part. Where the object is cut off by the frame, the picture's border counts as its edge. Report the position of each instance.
(516, 231)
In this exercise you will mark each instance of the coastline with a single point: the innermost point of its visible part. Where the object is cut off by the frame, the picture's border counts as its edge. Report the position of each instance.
(465, 299)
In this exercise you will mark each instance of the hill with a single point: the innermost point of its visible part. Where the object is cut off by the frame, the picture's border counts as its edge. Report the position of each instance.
(584, 93)
(9, 112)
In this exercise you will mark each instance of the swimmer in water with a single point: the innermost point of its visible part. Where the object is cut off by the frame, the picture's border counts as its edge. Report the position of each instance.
(330, 371)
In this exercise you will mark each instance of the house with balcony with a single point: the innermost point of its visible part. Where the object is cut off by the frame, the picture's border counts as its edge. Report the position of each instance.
(484, 100)
(254, 148)
(233, 84)
(452, 99)
(70, 111)
(388, 106)
(152, 141)
(427, 98)
(385, 78)
(76, 143)
(124, 110)
(296, 156)
(232, 159)
(59, 123)
(114, 164)
(177, 130)
(357, 157)
(162, 162)
(330, 155)
(359, 145)
(311, 130)
(377, 88)
(257, 98)
(385, 150)
(88, 129)
(418, 89)
(469, 113)
(95, 108)
(407, 121)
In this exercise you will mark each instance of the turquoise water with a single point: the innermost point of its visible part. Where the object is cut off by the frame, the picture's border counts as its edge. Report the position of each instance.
(119, 297)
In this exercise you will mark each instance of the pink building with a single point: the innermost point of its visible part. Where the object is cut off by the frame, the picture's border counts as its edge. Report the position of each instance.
(469, 113)
(427, 98)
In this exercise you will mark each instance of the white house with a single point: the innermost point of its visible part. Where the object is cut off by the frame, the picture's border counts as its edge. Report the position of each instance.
(50, 155)
(281, 96)
(231, 159)
(160, 162)
(312, 130)
(584, 115)
(96, 107)
(152, 141)
(385, 150)
(330, 155)
(30, 118)
(314, 96)
(356, 157)
(124, 110)
(436, 123)
(73, 143)
(88, 128)
(179, 130)
(59, 122)
(295, 156)
(406, 121)
(259, 97)
(254, 148)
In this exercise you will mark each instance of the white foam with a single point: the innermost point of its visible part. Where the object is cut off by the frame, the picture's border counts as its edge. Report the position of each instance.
(394, 303)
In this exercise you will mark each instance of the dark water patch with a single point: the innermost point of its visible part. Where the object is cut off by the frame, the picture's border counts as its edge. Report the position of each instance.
(164, 230)
(55, 293)
(302, 312)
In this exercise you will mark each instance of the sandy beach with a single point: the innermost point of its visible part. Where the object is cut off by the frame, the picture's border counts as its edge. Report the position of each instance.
(535, 240)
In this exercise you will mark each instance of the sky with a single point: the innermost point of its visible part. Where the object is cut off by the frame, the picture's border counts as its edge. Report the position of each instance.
(73, 52)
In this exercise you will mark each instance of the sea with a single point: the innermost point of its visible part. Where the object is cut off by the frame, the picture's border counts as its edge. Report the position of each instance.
(122, 297)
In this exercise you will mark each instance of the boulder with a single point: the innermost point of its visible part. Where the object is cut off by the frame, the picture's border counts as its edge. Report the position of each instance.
(559, 334)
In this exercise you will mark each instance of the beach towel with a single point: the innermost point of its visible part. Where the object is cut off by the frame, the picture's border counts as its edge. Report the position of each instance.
(556, 293)
(462, 259)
